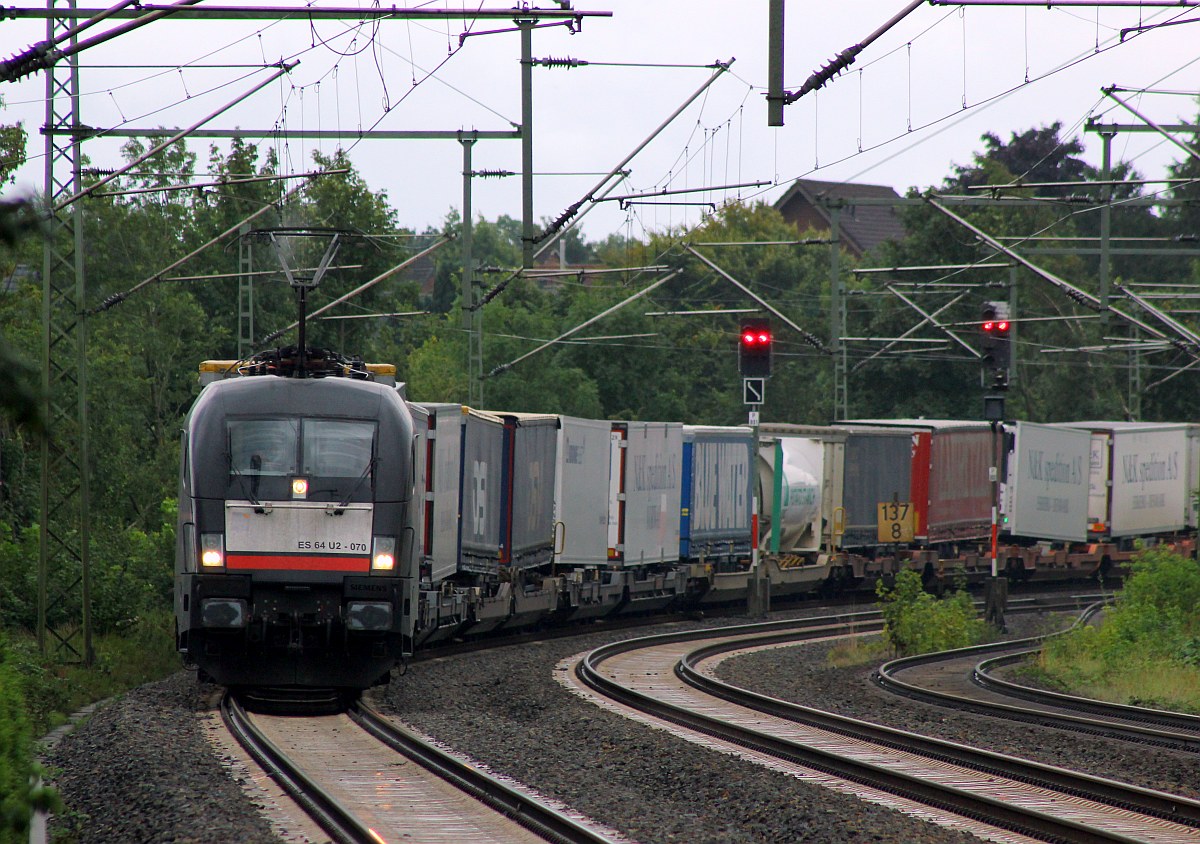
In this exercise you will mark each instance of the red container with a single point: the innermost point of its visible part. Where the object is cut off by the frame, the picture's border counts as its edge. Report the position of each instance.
(950, 484)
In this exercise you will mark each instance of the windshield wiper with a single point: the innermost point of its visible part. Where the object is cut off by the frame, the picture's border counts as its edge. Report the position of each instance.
(341, 508)
(249, 493)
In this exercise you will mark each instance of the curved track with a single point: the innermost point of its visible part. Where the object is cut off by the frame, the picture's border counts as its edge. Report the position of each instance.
(344, 771)
(1000, 797)
(960, 680)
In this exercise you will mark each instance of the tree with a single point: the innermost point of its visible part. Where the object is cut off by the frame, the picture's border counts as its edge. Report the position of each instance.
(18, 396)
(1069, 385)
(1184, 220)
(1035, 155)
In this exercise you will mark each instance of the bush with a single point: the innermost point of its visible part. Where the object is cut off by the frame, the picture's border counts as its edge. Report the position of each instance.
(140, 651)
(20, 790)
(916, 622)
(1147, 649)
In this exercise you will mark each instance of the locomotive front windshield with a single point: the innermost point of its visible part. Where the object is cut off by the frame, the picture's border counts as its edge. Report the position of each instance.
(336, 456)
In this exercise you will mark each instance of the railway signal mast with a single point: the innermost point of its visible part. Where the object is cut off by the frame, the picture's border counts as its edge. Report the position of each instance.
(995, 328)
(756, 346)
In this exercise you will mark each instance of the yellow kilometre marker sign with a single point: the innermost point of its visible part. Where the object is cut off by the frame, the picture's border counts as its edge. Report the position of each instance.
(896, 521)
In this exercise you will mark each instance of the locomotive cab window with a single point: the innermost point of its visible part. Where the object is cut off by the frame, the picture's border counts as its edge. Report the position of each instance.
(337, 449)
(334, 457)
(263, 447)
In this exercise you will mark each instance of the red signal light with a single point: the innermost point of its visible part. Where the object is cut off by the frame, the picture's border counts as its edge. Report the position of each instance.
(754, 348)
(1002, 326)
(989, 326)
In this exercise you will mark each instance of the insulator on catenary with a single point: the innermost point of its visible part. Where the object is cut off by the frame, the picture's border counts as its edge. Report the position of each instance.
(566, 61)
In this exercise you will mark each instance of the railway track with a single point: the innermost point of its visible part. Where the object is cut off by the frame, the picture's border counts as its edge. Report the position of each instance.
(365, 780)
(965, 680)
(669, 680)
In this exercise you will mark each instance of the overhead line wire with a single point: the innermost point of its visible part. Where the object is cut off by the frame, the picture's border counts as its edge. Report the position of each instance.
(982, 104)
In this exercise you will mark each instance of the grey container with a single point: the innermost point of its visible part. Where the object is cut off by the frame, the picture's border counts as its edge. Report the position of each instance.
(481, 502)
(581, 491)
(1046, 488)
(718, 493)
(439, 481)
(1142, 477)
(877, 468)
(653, 483)
(529, 488)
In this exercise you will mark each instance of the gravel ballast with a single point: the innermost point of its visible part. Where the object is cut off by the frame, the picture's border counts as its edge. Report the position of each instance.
(141, 768)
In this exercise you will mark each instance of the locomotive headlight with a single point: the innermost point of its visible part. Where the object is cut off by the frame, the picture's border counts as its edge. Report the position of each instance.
(299, 487)
(212, 550)
(383, 553)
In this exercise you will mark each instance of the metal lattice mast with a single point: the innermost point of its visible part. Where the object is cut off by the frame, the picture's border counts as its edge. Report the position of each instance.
(64, 587)
(837, 316)
(245, 345)
(472, 317)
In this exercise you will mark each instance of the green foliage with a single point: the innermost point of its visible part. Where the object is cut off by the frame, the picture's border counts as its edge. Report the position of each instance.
(12, 149)
(1153, 627)
(18, 386)
(1147, 649)
(140, 650)
(20, 791)
(1092, 384)
(916, 622)
(132, 575)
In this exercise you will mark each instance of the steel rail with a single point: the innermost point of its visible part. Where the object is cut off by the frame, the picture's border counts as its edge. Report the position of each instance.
(949, 798)
(1182, 730)
(549, 823)
(1157, 727)
(1100, 790)
(342, 826)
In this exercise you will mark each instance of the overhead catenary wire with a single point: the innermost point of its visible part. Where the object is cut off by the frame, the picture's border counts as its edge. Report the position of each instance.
(386, 274)
(224, 183)
(47, 53)
(504, 367)
(173, 139)
(117, 298)
(951, 119)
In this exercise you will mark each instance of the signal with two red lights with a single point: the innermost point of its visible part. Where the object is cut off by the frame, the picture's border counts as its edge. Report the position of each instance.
(995, 328)
(755, 348)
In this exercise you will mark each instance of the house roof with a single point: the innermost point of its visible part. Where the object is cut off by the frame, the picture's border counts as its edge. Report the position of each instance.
(863, 227)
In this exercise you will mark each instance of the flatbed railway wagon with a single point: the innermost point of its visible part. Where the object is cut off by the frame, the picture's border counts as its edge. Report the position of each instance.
(485, 485)
(826, 488)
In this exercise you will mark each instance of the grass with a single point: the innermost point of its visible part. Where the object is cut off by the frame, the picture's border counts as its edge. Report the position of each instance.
(1146, 649)
(857, 650)
(1158, 684)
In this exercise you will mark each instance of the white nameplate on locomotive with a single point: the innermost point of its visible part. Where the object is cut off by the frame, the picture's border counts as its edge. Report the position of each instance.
(297, 528)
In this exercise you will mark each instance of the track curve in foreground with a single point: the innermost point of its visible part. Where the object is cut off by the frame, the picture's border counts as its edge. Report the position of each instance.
(965, 679)
(648, 675)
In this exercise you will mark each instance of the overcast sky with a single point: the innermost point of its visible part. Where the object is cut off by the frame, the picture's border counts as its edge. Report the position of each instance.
(913, 105)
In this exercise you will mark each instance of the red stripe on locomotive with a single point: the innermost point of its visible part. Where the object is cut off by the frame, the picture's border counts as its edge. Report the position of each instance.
(298, 562)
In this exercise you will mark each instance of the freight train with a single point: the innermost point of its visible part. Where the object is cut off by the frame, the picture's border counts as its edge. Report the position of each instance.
(328, 527)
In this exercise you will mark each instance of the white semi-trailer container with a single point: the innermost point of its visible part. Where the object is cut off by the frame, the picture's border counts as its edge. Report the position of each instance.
(1047, 482)
(581, 491)
(1142, 477)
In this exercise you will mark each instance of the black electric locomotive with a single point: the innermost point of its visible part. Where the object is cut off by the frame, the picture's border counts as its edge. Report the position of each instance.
(294, 524)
